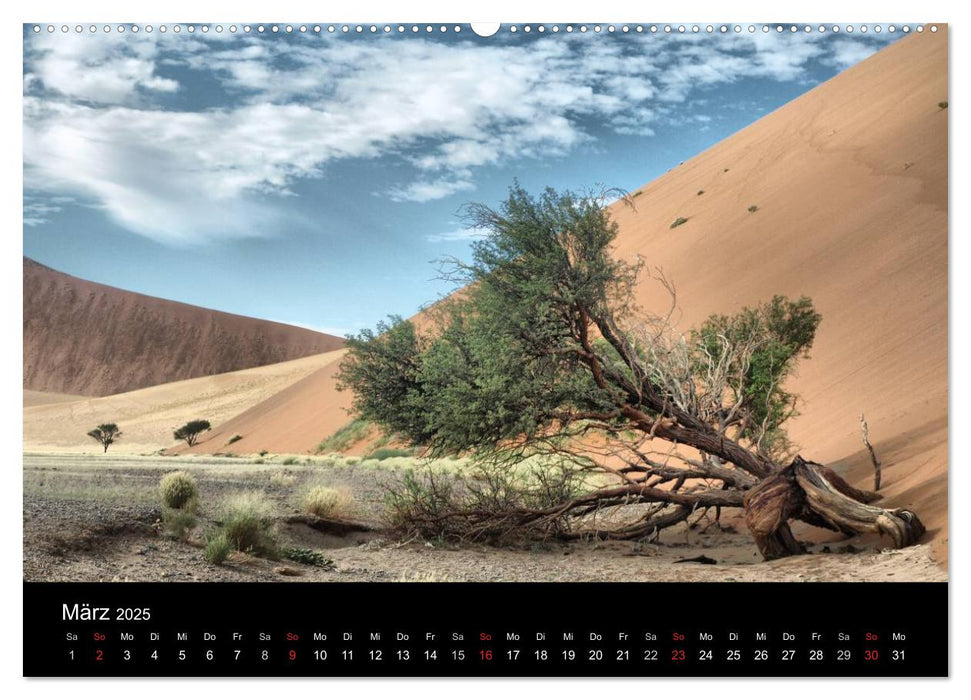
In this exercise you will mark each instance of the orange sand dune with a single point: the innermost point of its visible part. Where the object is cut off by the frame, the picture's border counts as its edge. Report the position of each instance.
(850, 185)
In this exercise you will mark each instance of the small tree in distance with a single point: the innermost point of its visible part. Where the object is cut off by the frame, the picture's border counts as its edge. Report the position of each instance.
(106, 434)
(190, 431)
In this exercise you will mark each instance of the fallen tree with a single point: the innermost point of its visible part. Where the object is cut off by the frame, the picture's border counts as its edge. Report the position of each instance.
(544, 360)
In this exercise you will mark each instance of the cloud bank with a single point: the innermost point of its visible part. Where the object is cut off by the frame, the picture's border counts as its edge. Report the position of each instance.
(189, 140)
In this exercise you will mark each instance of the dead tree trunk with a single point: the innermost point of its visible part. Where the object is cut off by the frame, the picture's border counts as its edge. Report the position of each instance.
(873, 455)
(817, 495)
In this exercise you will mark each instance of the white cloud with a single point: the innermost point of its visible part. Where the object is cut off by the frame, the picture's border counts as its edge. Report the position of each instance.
(462, 234)
(98, 125)
(848, 52)
(108, 69)
(426, 191)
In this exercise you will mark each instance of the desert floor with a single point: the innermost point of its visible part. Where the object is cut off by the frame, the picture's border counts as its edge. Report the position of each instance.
(96, 518)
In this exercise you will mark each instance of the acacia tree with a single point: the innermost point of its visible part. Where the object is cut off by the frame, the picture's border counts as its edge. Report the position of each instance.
(544, 356)
(106, 434)
(190, 431)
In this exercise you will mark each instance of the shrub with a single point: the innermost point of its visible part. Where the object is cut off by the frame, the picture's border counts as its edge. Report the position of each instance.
(179, 522)
(290, 460)
(700, 192)
(677, 222)
(218, 548)
(387, 453)
(725, 170)
(264, 453)
(247, 523)
(178, 489)
(234, 438)
(753, 208)
(310, 557)
(942, 105)
(326, 502)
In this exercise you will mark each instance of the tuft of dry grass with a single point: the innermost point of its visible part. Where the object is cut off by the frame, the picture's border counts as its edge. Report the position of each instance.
(327, 502)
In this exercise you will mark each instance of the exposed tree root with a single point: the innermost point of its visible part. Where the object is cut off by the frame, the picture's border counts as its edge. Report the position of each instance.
(817, 495)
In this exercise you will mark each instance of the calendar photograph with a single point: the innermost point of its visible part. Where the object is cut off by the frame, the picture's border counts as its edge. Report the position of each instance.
(465, 304)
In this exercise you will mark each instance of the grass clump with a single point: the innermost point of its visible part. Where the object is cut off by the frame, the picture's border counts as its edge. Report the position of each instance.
(677, 222)
(327, 502)
(283, 479)
(247, 523)
(353, 432)
(178, 489)
(310, 557)
(180, 522)
(942, 105)
(290, 460)
(218, 548)
(387, 453)
(234, 438)
(700, 192)
(753, 208)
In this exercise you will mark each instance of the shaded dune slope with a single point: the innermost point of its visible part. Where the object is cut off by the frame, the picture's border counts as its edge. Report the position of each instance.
(85, 338)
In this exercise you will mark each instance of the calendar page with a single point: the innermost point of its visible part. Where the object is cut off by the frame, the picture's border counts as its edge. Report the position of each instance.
(546, 349)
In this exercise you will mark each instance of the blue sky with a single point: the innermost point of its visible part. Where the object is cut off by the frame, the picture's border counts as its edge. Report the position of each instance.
(312, 179)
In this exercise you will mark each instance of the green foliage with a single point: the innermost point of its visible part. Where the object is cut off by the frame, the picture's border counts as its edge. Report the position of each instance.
(680, 220)
(304, 555)
(753, 208)
(190, 431)
(247, 523)
(544, 335)
(234, 438)
(290, 460)
(777, 333)
(218, 548)
(347, 436)
(264, 453)
(942, 105)
(178, 489)
(106, 434)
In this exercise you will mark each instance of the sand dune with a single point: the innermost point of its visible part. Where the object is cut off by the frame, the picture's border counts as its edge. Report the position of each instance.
(850, 181)
(148, 416)
(86, 338)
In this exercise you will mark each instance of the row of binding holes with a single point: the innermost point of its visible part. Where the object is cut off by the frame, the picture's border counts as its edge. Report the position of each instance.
(528, 28)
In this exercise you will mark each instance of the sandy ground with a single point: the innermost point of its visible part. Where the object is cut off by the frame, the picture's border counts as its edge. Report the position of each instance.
(147, 417)
(91, 519)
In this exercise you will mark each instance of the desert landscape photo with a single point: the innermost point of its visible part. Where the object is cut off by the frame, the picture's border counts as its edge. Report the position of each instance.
(571, 306)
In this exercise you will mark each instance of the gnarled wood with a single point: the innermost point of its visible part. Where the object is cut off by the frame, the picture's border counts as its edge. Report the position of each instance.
(817, 495)
(849, 515)
(768, 509)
